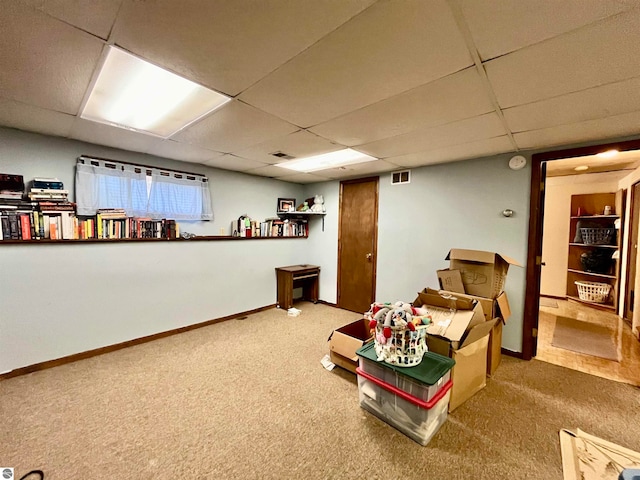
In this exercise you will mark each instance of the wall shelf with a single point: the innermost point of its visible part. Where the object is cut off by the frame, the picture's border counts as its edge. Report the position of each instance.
(591, 274)
(614, 247)
(206, 238)
(302, 216)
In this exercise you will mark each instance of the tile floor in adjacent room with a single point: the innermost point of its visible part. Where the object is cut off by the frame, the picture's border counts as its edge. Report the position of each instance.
(627, 370)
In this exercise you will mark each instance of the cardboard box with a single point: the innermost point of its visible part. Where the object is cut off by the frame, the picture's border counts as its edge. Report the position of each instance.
(483, 273)
(450, 317)
(450, 280)
(469, 375)
(344, 342)
(465, 339)
(493, 308)
(494, 349)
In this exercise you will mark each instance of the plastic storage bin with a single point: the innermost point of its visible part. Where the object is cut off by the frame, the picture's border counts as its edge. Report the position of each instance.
(417, 419)
(422, 381)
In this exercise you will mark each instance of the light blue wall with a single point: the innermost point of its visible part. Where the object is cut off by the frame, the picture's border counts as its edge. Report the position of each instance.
(87, 296)
(457, 205)
(58, 300)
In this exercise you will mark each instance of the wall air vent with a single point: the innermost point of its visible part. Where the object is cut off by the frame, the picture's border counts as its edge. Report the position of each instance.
(282, 155)
(398, 178)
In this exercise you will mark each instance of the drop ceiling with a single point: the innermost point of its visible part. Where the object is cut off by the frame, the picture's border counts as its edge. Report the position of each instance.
(412, 82)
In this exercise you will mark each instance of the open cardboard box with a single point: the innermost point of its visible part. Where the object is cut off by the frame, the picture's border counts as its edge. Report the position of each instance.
(346, 340)
(483, 273)
(461, 334)
(492, 308)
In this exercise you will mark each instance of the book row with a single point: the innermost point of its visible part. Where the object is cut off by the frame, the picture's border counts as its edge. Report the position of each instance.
(271, 227)
(66, 225)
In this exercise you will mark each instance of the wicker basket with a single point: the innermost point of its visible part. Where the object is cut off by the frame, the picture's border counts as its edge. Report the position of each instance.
(593, 291)
(597, 236)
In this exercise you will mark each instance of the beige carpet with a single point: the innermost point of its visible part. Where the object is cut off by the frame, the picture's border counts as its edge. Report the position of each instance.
(249, 399)
(585, 337)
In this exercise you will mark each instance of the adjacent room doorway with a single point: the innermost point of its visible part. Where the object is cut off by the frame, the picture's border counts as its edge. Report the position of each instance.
(357, 244)
(565, 307)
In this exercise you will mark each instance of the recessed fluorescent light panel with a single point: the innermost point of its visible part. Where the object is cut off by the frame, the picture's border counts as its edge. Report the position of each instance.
(607, 154)
(339, 158)
(134, 94)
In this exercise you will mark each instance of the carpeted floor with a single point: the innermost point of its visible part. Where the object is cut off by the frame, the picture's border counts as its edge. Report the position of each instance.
(249, 399)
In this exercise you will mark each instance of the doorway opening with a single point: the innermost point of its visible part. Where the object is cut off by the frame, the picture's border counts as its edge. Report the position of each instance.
(579, 284)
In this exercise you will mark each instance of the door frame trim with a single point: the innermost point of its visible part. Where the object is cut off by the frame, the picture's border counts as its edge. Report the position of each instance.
(534, 245)
(627, 282)
(375, 234)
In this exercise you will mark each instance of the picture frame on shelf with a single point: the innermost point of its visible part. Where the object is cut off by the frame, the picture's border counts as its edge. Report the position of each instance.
(286, 205)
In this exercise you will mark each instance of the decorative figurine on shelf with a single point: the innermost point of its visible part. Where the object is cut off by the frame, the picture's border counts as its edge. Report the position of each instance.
(318, 204)
(303, 207)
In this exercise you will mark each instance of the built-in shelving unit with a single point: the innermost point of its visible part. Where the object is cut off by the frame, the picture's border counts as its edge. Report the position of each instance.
(587, 211)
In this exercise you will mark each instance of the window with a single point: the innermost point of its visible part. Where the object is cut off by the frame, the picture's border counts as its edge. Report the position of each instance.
(141, 191)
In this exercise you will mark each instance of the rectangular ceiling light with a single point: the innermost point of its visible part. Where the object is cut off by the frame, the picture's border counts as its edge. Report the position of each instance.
(134, 94)
(339, 158)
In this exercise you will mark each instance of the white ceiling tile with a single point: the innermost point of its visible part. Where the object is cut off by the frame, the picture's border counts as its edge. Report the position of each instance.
(181, 151)
(268, 171)
(232, 162)
(299, 144)
(96, 16)
(227, 45)
(233, 127)
(599, 102)
(34, 119)
(455, 97)
(477, 149)
(359, 169)
(390, 48)
(44, 62)
(602, 53)
(100, 134)
(484, 126)
(502, 26)
(304, 178)
(600, 129)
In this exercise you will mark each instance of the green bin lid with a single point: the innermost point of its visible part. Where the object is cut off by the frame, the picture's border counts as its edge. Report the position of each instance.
(431, 369)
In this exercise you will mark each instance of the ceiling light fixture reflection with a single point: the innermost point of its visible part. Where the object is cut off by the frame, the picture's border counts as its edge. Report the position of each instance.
(608, 154)
(133, 94)
(581, 168)
(336, 159)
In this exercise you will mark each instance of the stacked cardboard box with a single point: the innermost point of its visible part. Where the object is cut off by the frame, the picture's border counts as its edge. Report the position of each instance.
(481, 276)
(460, 331)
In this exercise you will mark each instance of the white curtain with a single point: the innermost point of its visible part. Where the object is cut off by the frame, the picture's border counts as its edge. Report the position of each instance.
(100, 186)
(179, 196)
(173, 195)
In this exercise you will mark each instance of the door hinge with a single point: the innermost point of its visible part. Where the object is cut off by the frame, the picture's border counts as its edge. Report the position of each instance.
(534, 332)
(538, 260)
(542, 186)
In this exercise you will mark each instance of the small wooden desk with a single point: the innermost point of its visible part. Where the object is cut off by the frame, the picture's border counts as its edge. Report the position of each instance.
(294, 276)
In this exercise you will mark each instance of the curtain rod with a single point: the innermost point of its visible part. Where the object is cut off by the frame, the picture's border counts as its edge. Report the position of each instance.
(140, 165)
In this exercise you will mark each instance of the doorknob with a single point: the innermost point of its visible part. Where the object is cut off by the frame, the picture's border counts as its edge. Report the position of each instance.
(369, 256)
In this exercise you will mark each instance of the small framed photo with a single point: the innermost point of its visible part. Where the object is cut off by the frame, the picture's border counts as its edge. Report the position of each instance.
(286, 205)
